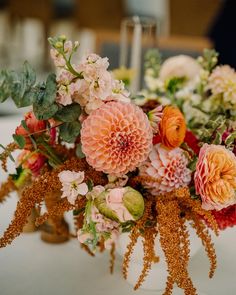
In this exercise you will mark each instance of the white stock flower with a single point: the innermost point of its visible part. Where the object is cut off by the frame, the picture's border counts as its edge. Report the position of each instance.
(72, 185)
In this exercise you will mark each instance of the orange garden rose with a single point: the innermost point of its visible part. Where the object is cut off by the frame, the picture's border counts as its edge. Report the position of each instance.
(172, 127)
(215, 177)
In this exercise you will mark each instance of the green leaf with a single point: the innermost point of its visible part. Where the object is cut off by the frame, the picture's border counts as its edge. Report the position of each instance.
(23, 123)
(90, 185)
(68, 113)
(231, 138)
(174, 84)
(20, 140)
(30, 75)
(45, 107)
(79, 153)
(18, 85)
(192, 164)
(69, 131)
(5, 85)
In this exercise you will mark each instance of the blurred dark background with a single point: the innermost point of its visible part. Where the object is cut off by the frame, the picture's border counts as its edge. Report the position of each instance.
(183, 26)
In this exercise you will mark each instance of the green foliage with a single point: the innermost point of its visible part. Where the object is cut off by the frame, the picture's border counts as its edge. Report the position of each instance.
(68, 113)
(174, 84)
(20, 86)
(127, 226)
(209, 59)
(19, 170)
(230, 138)
(79, 152)
(90, 185)
(153, 61)
(45, 106)
(20, 140)
(69, 131)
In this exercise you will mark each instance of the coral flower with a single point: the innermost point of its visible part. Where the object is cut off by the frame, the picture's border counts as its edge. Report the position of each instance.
(165, 170)
(116, 138)
(172, 127)
(33, 126)
(33, 161)
(215, 177)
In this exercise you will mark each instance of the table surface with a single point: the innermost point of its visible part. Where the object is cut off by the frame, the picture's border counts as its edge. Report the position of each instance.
(32, 267)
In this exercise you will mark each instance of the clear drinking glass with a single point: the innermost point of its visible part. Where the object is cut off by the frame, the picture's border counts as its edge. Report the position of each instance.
(138, 34)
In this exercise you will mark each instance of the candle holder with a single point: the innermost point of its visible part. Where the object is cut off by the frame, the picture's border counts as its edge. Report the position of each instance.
(138, 34)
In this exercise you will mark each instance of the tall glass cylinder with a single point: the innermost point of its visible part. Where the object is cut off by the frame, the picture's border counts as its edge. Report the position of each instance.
(138, 34)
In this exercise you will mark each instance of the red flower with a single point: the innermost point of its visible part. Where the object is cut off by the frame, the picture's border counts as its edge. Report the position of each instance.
(225, 217)
(192, 141)
(33, 125)
(32, 161)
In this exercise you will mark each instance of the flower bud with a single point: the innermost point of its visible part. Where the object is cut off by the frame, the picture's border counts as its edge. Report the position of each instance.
(59, 45)
(120, 204)
(134, 202)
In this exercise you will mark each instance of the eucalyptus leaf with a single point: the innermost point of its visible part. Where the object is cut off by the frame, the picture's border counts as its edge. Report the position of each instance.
(30, 75)
(5, 85)
(45, 107)
(69, 131)
(68, 113)
(79, 152)
(20, 140)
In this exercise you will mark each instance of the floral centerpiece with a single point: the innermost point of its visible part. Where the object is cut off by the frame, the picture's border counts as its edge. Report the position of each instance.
(120, 167)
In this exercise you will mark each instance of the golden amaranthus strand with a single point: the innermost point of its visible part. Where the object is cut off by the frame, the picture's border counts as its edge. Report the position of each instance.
(203, 233)
(169, 286)
(11, 147)
(86, 249)
(6, 188)
(184, 240)
(134, 235)
(58, 209)
(194, 206)
(42, 186)
(169, 226)
(149, 254)
(112, 257)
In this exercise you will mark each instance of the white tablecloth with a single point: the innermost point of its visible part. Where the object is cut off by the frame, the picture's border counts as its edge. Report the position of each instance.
(32, 267)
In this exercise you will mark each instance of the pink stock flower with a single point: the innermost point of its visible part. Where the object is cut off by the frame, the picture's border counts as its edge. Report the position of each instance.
(68, 47)
(116, 138)
(72, 185)
(103, 224)
(114, 200)
(168, 168)
(32, 161)
(64, 95)
(92, 61)
(119, 93)
(215, 177)
(83, 236)
(57, 58)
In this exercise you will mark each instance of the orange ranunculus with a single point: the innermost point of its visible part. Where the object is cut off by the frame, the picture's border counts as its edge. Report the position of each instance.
(172, 127)
(215, 177)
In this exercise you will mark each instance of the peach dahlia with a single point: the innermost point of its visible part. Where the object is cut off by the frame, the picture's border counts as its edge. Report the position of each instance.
(116, 138)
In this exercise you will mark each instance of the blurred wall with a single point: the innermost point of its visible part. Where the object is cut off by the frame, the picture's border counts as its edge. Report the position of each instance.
(154, 8)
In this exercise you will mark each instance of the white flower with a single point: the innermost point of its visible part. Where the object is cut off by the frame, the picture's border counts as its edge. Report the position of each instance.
(180, 66)
(72, 185)
(119, 92)
(154, 83)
